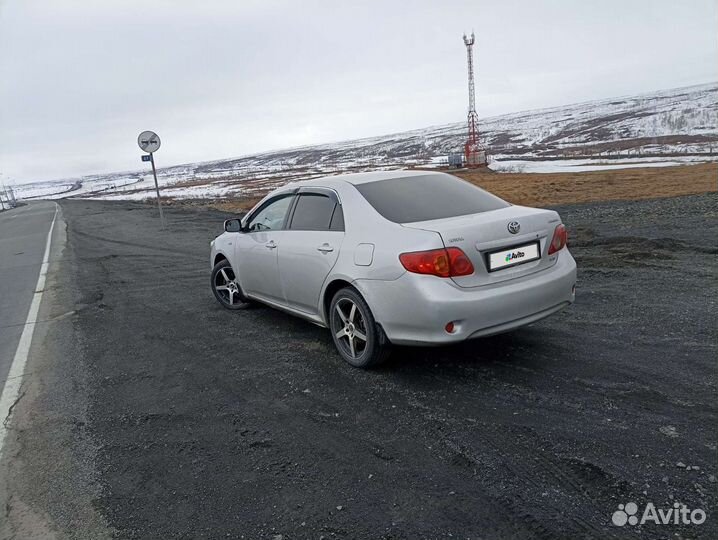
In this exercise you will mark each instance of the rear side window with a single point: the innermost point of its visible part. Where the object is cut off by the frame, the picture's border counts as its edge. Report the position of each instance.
(313, 212)
(337, 223)
(427, 197)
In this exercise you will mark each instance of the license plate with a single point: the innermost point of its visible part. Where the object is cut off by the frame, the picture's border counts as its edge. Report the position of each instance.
(512, 257)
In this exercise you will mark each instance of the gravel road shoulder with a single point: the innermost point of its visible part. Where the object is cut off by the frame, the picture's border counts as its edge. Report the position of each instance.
(185, 420)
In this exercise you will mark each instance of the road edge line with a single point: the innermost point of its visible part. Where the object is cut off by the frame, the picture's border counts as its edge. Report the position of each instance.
(13, 382)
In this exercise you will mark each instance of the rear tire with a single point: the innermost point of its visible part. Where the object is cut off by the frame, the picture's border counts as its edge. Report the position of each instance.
(226, 288)
(359, 339)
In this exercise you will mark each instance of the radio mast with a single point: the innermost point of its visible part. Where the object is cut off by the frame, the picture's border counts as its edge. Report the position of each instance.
(474, 152)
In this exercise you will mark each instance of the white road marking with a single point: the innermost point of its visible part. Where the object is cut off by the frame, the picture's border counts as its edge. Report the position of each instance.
(14, 377)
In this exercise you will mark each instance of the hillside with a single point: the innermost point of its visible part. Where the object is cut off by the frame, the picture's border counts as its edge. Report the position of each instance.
(658, 129)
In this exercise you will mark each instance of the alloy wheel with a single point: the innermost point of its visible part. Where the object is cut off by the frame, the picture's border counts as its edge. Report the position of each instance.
(349, 327)
(227, 287)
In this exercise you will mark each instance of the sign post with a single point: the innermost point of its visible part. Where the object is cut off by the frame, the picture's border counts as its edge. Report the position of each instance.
(149, 142)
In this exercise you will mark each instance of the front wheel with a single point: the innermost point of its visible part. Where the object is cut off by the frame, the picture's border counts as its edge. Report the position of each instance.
(358, 338)
(226, 288)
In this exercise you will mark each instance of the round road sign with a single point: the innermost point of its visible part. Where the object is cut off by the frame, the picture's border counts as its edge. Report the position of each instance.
(149, 141)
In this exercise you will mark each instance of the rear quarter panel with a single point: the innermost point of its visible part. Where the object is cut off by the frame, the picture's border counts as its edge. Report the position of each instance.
(364, 225)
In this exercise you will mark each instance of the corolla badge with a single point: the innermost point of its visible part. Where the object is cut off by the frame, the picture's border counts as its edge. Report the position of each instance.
(514, 227)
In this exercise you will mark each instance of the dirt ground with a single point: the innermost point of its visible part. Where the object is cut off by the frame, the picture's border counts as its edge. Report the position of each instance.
(157, 414)
(547, 189)
(550, 189)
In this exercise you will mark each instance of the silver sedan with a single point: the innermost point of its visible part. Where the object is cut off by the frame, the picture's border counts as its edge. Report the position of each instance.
(399, 257)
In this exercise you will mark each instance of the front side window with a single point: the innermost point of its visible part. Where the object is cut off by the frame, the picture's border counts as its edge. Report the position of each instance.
(271, 216)
(313, 212)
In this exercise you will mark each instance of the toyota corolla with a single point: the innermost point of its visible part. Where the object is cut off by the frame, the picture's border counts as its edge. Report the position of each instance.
(399, 257)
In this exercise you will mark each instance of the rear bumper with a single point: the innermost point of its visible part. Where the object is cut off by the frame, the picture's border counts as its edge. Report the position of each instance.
(414, 309)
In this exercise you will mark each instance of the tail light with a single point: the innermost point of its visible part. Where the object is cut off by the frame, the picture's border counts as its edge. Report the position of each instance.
(445, 262)
(560, 237)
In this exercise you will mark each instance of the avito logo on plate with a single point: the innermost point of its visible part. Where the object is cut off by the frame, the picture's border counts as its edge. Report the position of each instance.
(514, 255)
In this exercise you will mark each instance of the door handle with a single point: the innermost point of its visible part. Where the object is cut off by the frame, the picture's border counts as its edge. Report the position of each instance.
(325, 248)
(271, 244)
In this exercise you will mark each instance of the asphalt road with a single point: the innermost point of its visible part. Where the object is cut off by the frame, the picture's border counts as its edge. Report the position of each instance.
(23, 235)
(151, 412)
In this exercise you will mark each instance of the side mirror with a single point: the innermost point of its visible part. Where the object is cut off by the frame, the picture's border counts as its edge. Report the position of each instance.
(233, 225)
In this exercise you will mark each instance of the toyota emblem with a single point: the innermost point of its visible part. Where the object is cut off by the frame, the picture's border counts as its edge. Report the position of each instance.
(514, 227)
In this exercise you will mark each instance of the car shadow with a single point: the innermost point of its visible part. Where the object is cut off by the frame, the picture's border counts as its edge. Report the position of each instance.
(507, 347)
(524, 348)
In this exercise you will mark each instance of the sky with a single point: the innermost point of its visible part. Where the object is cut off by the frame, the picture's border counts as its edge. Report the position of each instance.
(79, 80)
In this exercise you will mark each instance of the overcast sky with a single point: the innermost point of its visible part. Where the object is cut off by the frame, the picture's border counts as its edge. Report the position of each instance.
(80, 79)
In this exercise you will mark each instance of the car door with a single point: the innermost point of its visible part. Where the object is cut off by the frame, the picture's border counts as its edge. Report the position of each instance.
(257, 247)
(311, 247)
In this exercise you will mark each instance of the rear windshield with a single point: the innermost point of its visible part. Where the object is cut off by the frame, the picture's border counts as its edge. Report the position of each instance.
(426, 197)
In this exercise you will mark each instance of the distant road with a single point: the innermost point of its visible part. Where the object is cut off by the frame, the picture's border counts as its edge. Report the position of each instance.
(74, 187)
(23, 237)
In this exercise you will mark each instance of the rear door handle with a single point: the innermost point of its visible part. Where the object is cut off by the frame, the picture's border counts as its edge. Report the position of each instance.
(271, 244)
(325, 248)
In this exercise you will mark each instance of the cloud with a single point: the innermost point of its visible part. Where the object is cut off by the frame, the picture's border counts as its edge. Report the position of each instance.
(80, 80)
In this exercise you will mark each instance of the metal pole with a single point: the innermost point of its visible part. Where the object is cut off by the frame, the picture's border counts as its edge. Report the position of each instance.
(157, 188)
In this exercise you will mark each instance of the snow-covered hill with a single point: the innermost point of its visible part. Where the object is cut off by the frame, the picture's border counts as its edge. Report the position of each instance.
(666, 127)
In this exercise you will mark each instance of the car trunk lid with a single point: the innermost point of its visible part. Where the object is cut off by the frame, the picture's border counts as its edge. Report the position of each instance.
(480, 235)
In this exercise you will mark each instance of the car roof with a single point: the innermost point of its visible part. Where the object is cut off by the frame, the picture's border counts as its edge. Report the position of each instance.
(359, 178)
